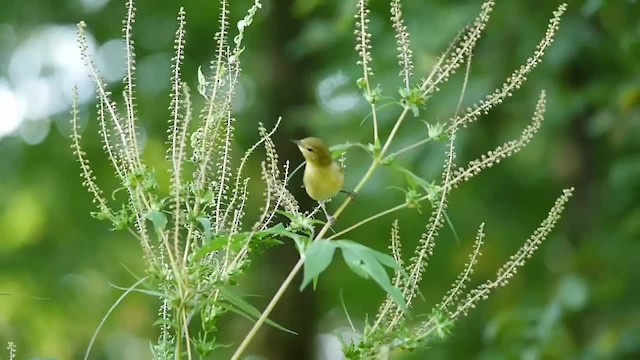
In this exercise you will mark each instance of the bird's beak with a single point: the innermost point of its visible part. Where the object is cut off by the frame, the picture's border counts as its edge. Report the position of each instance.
(297, 142)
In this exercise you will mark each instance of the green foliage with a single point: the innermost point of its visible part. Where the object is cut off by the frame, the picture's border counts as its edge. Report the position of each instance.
(414, 99)
(199, 245)
(235, 242)
(362, 260)
(589, 139)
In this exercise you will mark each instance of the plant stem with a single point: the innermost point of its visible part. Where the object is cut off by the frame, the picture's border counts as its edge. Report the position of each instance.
(268, 309)
(292, 274)
(394, 131)
(186, 333)
(423, 141)
(370, 218)
(285, 284)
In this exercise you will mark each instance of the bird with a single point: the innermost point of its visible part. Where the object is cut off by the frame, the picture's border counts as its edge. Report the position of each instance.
(323, 178)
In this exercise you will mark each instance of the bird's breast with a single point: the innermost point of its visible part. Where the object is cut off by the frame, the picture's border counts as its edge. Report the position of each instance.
(323, 182)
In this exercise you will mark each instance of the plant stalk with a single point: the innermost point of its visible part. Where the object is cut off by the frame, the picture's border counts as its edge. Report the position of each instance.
(285, 284)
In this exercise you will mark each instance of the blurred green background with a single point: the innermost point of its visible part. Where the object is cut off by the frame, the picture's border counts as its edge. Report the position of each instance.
(578, 298)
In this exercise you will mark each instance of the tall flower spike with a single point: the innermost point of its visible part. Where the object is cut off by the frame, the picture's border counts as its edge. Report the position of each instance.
(278, 183)
(217, 64)
(218, 68)
(11, 346)
(87, 173)
(176, 123)
(506, 272)
(363, 38)
(108, 142)
(396, 250)
(119, 131)
(405, 55)
(454, 58)
(463, 279)
(435, 222)
(503, 151)
(516, 261)
(517, 78)
(240, 169)
(389, 303)
(179, 121)
(223, 171)
(129, 82)
(219, 103)
(424, 250)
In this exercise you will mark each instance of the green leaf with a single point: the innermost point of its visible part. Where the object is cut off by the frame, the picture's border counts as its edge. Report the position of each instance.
(300, 222)
(206, 227)
(453, 229)
(317, 258)
(247, 310)
(354, 261)
(413, 179)
(202, 83)
(436, 132)
(279, 229)
(339, 149)
(383, 258)
(236, 241)
(217, 243)
(159, 220)
(368, 263)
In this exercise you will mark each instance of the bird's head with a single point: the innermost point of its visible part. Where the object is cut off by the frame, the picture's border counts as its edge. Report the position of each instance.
(314, 151)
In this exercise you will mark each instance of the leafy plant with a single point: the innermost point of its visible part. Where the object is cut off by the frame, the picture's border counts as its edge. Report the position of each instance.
(196, 241)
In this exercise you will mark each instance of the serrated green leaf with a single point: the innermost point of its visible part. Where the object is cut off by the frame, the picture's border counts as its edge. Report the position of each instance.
(380, 276)
(367, 262)
(384, 259)
(318, 256)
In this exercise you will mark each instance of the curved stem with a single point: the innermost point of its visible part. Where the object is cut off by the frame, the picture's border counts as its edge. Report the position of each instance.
(370, 218)
(285, 284)
(410, 147)
(292, 274)
(268, 309)
(104, 318)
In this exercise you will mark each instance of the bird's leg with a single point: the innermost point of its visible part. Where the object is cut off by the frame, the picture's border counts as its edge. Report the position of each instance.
(351, 194)
(330, 219)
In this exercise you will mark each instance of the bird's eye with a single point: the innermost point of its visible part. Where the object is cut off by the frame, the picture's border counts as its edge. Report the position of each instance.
(310, 149)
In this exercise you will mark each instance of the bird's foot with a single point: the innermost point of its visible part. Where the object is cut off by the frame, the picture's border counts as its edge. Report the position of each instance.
(351, 194)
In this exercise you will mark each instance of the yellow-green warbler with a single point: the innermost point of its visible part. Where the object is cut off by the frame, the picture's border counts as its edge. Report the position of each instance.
(323, 178)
